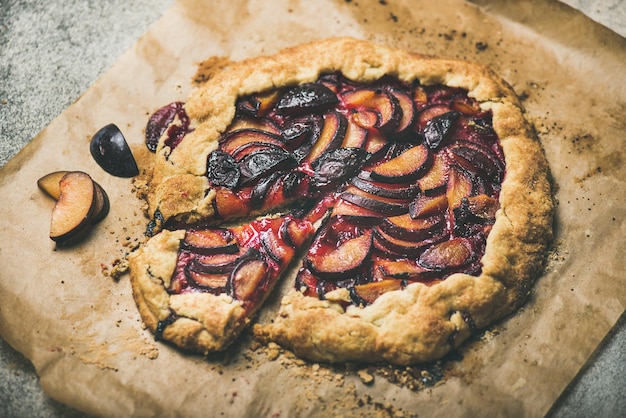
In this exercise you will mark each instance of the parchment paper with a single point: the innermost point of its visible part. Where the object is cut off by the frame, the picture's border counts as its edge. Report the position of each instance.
(81, 329)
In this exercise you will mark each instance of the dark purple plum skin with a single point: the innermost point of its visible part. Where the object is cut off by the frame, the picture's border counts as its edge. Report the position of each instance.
(110, 150)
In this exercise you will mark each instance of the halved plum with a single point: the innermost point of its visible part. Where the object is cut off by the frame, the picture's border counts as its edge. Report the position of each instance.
(408, 166)
(110, 150)
(344, 260)
(210, 241)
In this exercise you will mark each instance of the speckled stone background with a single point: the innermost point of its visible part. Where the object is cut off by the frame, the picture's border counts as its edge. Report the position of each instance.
(52, 51)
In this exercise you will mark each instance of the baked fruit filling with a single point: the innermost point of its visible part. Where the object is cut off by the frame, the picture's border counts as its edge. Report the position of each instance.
(403, 180)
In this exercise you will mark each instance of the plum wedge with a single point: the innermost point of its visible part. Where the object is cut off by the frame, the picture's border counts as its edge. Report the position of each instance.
(344, 260)
(72, 213)
(408, 166)
(56, 184)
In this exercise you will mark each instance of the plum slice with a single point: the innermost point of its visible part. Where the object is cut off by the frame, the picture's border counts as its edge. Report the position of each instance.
(210, 241)
(405, 248)
(215, 282)
(257, 105)
(73, 211)
(234, 141)
(266, 125)
(393, 191)
(424, 206)
(262, 188)
(477, 159)
(222, 169)
(450, 254)
(437, 129)
(217, 263)
(459, 187)
(407, 105)
(366, 294)
(379, 204)
(162, 120)
(110, 150)
(408, 166)
(331, 136)
(344, 260)
(256, 165)
(382, 104)
(103, 205)
(356, 135)
(406, 228)
(337, 165)
(347, 209)
(436, 177)
(483, 207)
(404, 268)
(309, 97)
(249, 276)
(49, 183)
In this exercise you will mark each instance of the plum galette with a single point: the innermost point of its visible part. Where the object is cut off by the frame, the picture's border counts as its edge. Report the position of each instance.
(407, 192)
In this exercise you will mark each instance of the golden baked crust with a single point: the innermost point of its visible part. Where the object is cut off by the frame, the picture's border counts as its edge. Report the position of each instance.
(417, 324)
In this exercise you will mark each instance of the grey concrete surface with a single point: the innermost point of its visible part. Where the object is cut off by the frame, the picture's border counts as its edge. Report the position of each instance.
(51, 51)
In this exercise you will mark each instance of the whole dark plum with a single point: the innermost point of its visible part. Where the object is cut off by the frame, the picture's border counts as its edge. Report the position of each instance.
(111, 151)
